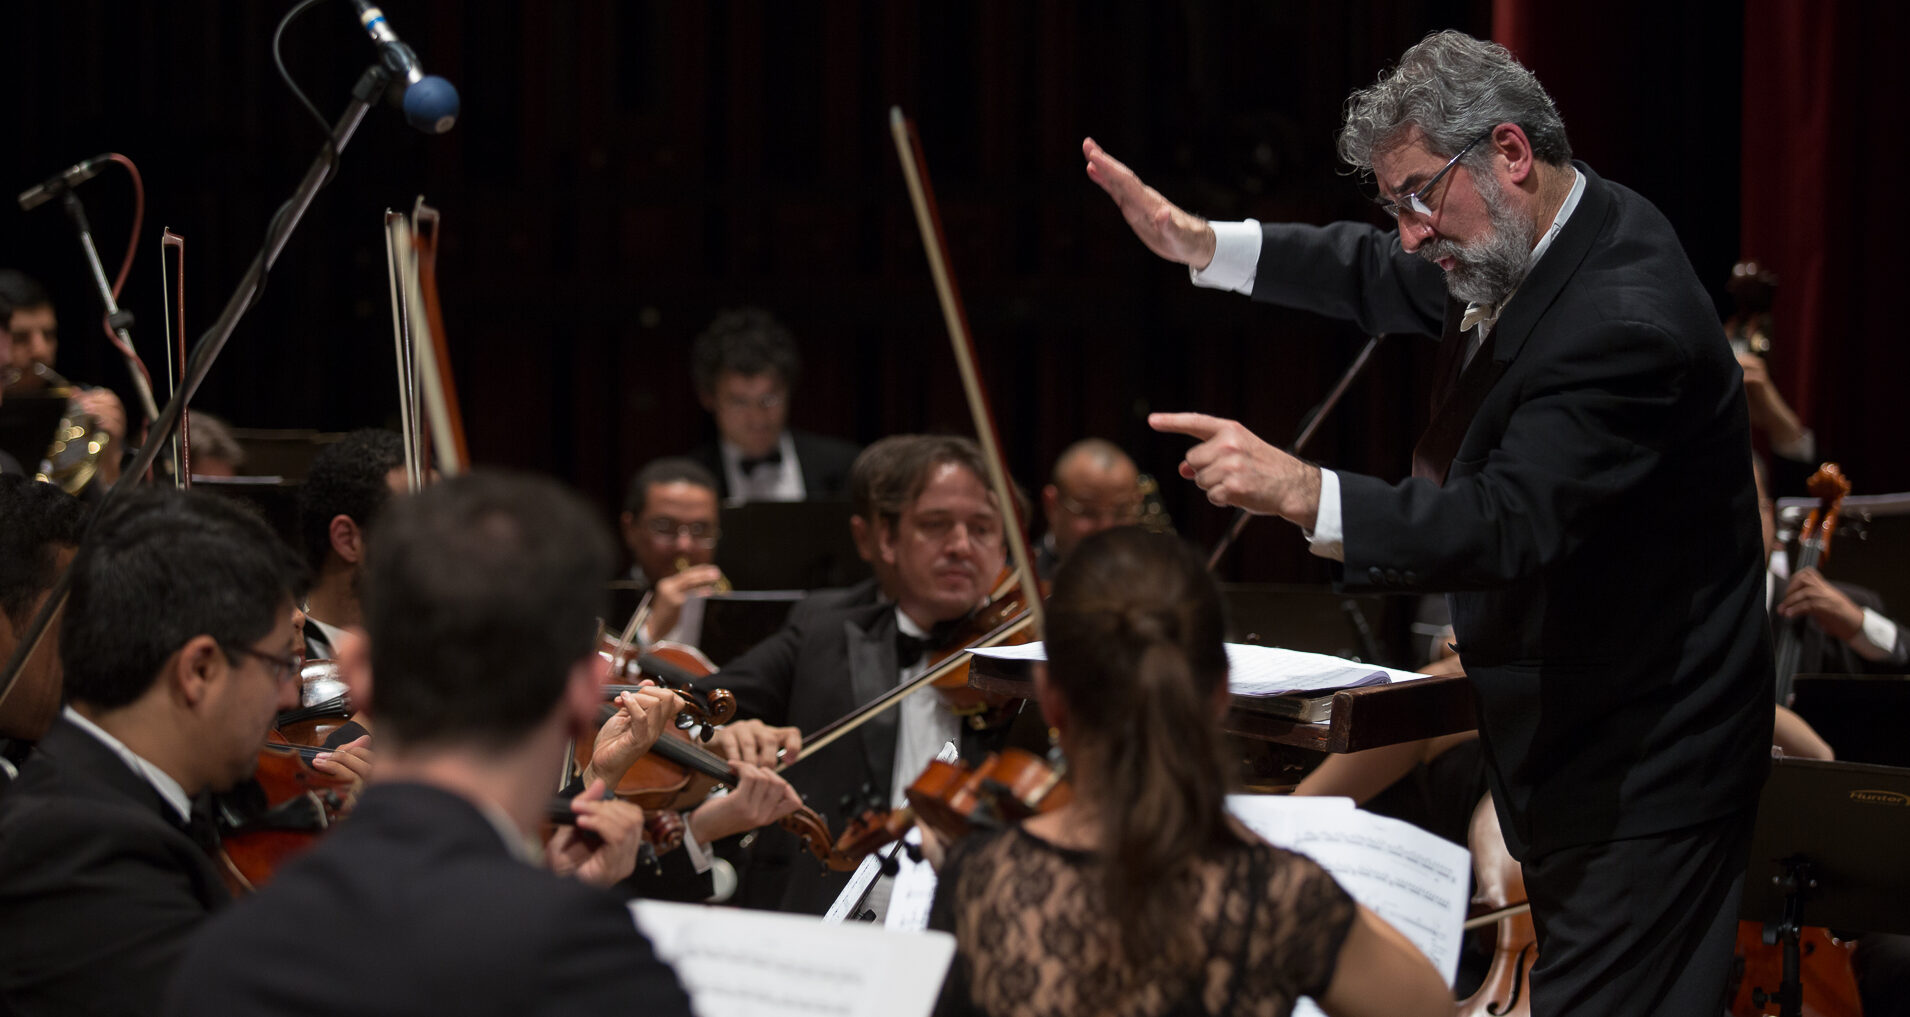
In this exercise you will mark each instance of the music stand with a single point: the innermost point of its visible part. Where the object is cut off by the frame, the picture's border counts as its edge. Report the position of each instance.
(1828, 850)
(26, 428)
(789, 545)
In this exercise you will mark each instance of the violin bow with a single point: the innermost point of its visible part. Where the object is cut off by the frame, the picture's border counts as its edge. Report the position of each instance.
(908, 146)
(175, 345)
(428, 409)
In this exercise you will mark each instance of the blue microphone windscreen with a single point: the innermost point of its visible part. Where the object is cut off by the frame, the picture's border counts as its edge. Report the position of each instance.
(431, 105)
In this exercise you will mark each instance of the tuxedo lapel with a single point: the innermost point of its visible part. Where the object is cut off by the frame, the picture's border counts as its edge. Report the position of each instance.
(872, 671)
(1548, 278)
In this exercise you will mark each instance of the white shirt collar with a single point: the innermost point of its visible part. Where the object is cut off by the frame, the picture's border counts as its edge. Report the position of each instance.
(785, 485)
(162, 782)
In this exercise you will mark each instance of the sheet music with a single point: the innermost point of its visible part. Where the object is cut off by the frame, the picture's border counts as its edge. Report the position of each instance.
(913, 892)
(1261, 670)
(1415, 881)
(739, 963)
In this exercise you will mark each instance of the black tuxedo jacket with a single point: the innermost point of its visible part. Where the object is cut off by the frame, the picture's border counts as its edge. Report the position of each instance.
(1597, 530)
(815, 670)
(414, 905)
(825, 463)
(100, 885)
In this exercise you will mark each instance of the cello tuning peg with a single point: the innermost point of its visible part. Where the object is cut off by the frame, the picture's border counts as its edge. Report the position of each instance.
(913, 850)
(890, 867)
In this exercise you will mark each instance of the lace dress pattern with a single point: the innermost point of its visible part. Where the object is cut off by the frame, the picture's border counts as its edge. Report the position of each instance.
(1034, 940)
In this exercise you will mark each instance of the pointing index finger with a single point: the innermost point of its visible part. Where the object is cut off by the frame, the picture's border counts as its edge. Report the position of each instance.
(1197, 425)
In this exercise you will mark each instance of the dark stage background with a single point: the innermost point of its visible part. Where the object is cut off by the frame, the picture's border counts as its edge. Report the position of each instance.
(623, 170)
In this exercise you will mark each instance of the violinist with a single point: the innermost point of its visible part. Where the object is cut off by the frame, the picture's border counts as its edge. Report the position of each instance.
(40, 527)
(871, 477)
(940, 529)
(746, 367)
(346, 488)
(1095, 486)
(670, 527)
(177, 645)
(1142, 895)
(481, 599)
(35, 333)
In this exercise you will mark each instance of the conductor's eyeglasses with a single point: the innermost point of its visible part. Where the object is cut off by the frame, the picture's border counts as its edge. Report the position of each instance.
(1414, 200)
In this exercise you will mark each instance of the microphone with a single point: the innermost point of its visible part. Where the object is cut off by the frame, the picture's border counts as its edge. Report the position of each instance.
(429, 102)
(61, 182)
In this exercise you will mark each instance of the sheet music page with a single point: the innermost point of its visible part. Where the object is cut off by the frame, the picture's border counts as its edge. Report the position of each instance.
(913, 892)
(1415, 881)
(739, 963)
(1261, 670)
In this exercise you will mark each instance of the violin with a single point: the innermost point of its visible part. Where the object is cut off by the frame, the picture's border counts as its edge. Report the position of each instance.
(1507, 987)
(276, 814)
(952, 800)
(1007, 604)
(676, 773)
(324, 705)
(672, 666)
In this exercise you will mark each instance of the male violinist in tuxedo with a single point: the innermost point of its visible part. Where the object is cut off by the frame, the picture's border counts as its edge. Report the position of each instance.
(942, 532)
(177, 646)
(746, 368)
(482, 596)
(344, 491)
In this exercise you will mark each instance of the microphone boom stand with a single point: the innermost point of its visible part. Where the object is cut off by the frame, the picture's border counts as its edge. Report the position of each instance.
(370, 88)
(119, 321)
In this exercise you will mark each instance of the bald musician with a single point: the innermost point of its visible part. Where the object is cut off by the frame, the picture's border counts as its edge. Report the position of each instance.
(1095, 486)
(437, 872)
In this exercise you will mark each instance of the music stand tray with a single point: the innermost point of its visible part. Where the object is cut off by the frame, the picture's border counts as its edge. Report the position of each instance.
(1851, 823)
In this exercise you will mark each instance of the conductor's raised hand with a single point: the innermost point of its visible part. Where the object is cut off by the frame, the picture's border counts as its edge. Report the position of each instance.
(1238, 469)
(1162, 225)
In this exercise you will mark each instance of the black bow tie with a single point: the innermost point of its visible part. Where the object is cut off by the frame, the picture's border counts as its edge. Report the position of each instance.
(774, 457)
(909, 650)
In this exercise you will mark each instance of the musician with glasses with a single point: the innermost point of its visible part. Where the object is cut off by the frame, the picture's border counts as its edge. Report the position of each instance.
(178, 645)
(746, 367)
(1584, 473)
(1095, 487)
(670, 525)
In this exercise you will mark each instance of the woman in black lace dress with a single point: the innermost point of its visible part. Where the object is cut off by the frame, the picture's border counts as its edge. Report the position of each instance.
(1144, 897)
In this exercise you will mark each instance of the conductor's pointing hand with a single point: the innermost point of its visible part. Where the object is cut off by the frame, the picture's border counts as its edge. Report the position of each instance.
(1238, 469)
(1161, 225)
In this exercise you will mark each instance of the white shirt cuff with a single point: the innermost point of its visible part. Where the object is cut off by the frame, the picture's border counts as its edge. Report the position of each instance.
(1327, 538)
(1803, 450)
(1877, 639)
(700, 854)
(1236, 258)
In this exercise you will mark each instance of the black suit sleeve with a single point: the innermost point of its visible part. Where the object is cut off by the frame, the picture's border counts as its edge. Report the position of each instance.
(1591, 426)
(97, 894)
(1352, 272)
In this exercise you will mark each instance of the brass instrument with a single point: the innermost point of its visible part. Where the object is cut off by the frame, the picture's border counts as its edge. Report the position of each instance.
(73, 457)
(722, 585)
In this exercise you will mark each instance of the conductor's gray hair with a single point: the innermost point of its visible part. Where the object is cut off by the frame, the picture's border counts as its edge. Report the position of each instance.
(1454, 88)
